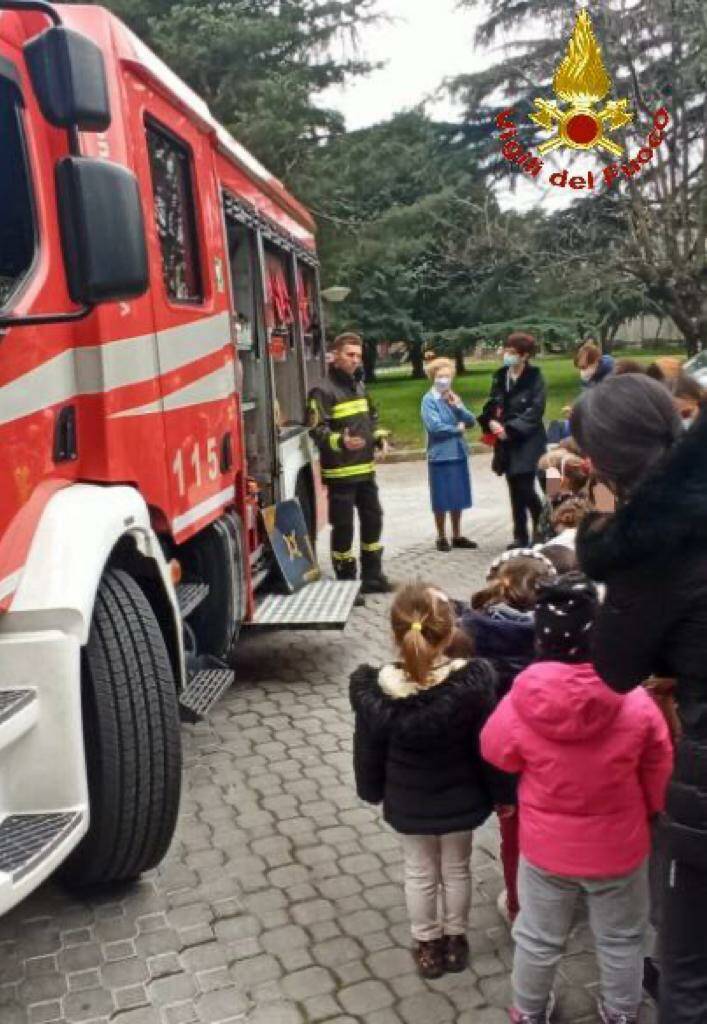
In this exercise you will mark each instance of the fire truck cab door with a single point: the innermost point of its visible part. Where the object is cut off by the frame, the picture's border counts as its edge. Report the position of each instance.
(190, 304)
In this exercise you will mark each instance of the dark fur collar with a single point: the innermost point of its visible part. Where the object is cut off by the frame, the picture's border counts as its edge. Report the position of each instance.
(666, 514)
(525, 382)
(468, 690)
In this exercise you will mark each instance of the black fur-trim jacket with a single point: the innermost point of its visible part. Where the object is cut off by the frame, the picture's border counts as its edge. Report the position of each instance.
(520, 409)
(417, 750)
(652, 554)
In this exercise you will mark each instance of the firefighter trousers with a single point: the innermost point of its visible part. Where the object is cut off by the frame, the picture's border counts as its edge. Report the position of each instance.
(344, 500)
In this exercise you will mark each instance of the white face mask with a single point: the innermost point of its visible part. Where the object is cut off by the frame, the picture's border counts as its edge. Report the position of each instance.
(688, 421)
(511, 360)
(586, 375)
(443, 383)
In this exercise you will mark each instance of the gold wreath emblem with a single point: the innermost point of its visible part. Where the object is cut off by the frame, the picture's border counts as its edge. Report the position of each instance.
(582, 81)
(292, 545)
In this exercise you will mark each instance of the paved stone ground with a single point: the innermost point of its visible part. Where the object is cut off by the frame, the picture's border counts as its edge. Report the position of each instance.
(280, 901)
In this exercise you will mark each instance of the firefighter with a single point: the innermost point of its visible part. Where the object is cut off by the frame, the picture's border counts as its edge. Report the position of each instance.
(343, 424)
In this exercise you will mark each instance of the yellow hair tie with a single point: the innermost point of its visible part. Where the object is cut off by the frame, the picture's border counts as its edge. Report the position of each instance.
(417, 626)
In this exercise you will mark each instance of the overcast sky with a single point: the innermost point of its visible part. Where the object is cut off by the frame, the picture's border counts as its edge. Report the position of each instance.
(425, 41)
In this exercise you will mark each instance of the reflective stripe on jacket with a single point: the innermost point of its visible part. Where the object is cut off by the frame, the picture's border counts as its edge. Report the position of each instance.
(340, 403)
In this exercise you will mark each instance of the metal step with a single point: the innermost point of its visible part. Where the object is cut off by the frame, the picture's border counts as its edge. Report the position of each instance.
(259, 576)
(12, 701)
(27, 839)
(326, 604)
(203, 691)
(19, 711)
(260, 566)
(257, 554)
(190, 596)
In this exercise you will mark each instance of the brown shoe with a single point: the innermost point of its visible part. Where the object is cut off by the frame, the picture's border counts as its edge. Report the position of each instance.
(456, 953)
(429, 958)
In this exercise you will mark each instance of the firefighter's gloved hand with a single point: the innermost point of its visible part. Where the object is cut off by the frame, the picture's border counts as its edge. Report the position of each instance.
(352, 443)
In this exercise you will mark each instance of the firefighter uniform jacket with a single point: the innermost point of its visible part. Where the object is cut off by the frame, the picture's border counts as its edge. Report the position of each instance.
(340, 403)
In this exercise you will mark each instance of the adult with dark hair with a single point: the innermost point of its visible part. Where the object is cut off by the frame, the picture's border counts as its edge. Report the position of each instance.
(514, 414)
(652, 554)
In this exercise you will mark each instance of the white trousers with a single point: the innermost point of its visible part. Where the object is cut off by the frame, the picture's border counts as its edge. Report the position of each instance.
(438, 884)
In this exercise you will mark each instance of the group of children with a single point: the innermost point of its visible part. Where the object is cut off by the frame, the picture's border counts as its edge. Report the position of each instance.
(496, 706)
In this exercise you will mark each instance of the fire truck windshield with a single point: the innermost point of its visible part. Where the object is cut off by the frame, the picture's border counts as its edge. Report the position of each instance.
(17, 232)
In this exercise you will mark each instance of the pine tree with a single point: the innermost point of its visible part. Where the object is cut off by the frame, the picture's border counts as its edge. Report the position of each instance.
(259, 64)
(656, 52)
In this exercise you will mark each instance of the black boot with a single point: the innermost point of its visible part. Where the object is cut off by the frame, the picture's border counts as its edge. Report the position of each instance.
(344, 568)
(373, 580)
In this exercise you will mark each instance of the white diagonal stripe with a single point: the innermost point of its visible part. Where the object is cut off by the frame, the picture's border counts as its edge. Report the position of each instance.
(203, 509)
(51, 383)
(101, 368)
(8, 585)
(213, 387)
(182, 345)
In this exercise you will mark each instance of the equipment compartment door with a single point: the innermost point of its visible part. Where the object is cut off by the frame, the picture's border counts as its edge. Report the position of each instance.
(254, 375)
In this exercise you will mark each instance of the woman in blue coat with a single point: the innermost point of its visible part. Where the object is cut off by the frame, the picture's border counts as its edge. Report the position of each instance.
(446, 418)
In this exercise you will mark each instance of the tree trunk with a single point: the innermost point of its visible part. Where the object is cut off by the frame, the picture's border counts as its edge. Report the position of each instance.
(370, 361)
(459, 360)
(417, 362)
(692, 344)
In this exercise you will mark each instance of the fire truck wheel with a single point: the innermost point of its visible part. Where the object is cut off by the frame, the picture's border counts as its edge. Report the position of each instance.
(132, 739)
(216, 556)
(303, 493)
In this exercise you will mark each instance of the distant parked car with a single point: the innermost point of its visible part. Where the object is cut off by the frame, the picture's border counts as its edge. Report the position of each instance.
(697, 368)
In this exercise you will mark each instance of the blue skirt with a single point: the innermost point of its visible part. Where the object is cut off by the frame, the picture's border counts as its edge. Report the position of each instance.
(450, 485)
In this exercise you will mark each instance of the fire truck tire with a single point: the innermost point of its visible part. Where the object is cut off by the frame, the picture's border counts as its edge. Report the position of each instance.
(132, 739)
(303, 493)
(217, 557)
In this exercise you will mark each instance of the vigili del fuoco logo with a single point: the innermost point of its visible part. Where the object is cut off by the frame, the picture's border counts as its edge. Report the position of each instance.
(577, 120)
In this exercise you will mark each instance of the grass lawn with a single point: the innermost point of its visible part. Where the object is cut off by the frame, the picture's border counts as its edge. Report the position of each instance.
(398, 397)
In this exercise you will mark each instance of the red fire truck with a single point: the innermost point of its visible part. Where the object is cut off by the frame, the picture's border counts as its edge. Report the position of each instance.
(160, 324)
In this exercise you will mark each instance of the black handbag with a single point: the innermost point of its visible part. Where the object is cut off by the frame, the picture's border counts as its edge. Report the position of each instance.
(501, 458)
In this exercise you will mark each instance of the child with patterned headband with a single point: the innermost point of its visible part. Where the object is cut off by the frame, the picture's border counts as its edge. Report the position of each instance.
(593, 767)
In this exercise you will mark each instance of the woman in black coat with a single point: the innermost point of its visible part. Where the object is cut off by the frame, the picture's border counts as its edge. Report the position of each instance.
(514, 415)
(652, 554)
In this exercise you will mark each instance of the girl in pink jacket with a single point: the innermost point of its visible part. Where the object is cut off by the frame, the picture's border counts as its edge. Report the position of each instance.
(594, 767)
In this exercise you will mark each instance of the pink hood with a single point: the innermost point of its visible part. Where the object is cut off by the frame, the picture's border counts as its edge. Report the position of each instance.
(593, 766)
(565, 703)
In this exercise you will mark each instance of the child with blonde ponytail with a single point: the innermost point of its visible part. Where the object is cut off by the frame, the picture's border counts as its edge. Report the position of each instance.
(416, 749)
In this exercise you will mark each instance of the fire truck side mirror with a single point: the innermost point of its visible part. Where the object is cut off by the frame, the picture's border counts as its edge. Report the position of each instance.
(102, 230)
(69, 79)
